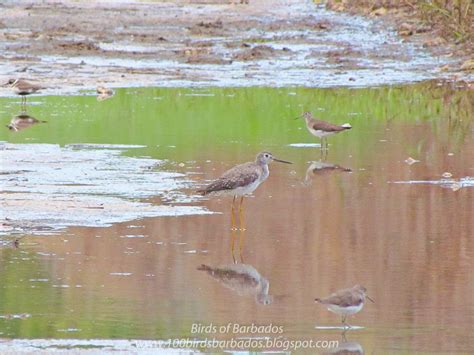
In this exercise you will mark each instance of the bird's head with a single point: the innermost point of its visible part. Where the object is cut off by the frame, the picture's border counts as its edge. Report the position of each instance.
(264, 158)
(363, 291)
(10, 83)
(306, 115)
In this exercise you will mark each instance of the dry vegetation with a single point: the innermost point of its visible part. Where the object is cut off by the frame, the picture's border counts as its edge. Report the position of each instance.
(442, 21)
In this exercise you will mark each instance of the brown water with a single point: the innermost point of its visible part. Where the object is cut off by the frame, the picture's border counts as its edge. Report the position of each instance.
(307, 233)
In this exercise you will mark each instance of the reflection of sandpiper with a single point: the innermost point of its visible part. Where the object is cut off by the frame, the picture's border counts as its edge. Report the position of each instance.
(22, 121)
(22, 88)
(104, 93)
(346, 346)
(319, 168)
(346, 302)
(243, 279)
(322, 129)
(241, 180)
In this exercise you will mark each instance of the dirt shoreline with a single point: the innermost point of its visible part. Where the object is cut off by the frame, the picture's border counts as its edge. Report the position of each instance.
(69, 46)
(414, 22)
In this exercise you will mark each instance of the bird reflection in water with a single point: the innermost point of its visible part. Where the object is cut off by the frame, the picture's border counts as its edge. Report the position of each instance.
(22, 121)
(320, 168)
(233, 237)
(346, 346)
(243, 279)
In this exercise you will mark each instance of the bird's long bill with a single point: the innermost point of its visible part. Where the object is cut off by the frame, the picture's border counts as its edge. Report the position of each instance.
(370, 299)
(298, 117)
(282, 161)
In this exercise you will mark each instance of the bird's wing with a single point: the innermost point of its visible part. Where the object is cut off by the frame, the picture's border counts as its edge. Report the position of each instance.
(343, 298)
(26, 86)
(326, 126)
(240, 175)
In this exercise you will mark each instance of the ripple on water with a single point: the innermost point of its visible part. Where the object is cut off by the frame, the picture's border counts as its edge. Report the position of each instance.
(453, 184)
(305, 145)
(122, 345)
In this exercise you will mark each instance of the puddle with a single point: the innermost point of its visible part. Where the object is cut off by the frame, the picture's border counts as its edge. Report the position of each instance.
(107, 188)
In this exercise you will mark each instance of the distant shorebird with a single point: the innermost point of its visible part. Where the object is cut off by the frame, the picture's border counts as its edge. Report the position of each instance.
(242, 180)
(243, 279)
(22, 88)
(346, 302)
(322, 129)
(104, 93)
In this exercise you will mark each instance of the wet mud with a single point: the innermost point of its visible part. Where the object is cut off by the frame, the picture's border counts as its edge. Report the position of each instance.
(72, 46)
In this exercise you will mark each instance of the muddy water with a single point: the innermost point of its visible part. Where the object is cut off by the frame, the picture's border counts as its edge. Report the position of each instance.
(400, 222)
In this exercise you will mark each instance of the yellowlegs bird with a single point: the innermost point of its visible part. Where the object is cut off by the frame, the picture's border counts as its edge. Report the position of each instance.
(322, 129)
(346, 302)
(242, 180)
(243, 279)
(22, 88)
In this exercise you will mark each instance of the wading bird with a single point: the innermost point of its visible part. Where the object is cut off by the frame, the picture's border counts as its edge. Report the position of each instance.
(346, 302)
(322, 129)
(22, 88)
(242, 180)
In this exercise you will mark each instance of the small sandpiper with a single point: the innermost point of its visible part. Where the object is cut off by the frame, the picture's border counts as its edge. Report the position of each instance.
(346, 302)
(242, 180)
(22, 88)
(104, 93)
(322, 129)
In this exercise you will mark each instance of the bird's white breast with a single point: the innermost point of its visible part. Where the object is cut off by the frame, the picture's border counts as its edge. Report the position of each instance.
(245, 190)
(345, 310)
(319, 133)
(265, 173)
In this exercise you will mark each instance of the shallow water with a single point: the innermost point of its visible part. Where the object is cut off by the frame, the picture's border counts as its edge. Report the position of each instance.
(310, 229)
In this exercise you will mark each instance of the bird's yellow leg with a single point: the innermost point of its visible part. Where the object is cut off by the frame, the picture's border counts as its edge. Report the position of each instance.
(241, 215)
(232, 240)
(233, 215)
(241, 244)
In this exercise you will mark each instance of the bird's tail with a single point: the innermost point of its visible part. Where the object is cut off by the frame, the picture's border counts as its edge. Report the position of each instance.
(204, 267)
(346, 126)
